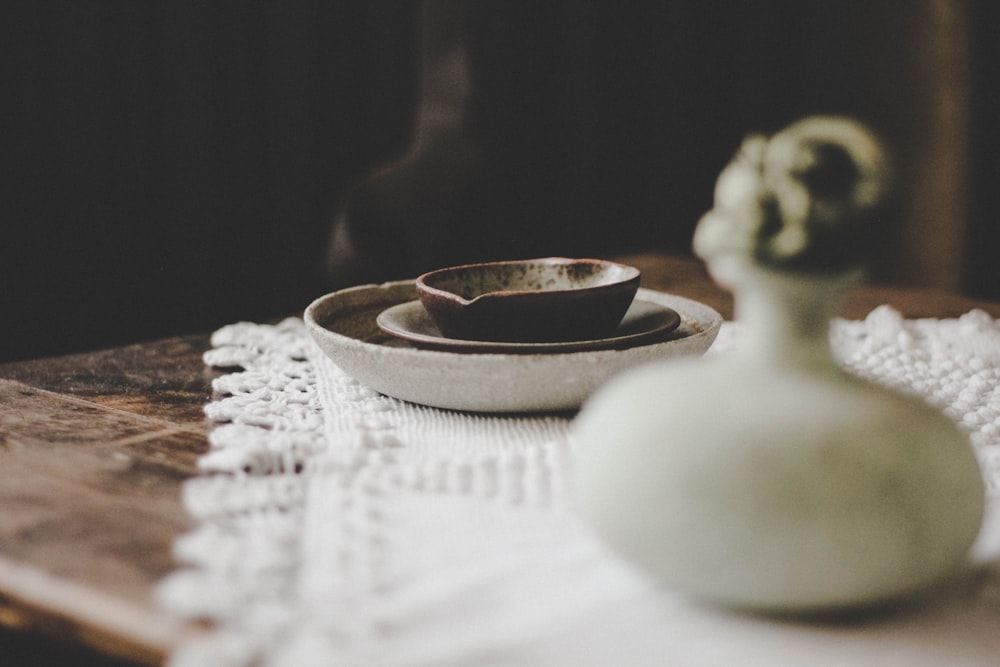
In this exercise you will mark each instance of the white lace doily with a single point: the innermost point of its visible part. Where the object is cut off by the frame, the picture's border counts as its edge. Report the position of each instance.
(337, 526)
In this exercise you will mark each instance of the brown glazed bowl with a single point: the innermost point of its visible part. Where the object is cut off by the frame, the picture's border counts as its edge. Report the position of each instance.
(529, 301)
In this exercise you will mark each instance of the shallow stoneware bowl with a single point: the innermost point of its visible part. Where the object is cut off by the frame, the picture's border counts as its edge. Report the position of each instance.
(343, 324)
(532, 300)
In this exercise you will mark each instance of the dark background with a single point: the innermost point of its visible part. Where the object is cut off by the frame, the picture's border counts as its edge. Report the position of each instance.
(169, 167)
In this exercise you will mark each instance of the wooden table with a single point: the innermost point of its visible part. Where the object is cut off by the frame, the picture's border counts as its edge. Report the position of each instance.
(93, 451)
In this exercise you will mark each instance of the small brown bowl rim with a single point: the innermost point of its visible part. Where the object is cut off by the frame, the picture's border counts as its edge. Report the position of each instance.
(634, 275)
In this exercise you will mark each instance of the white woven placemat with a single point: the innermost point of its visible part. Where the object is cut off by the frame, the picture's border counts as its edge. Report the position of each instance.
(337, 526)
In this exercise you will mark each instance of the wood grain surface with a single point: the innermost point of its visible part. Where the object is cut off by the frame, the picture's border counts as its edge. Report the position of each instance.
(93, 450)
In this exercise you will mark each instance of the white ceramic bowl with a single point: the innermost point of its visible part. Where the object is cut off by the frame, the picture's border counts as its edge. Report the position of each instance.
(343, 324)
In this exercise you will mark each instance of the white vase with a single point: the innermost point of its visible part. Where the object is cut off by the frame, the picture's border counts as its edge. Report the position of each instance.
(769, 479)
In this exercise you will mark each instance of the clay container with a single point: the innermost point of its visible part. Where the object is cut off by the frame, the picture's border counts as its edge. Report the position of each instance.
(534, 300)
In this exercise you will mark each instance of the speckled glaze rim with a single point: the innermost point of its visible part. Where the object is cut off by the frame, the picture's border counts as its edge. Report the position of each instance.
(492, 383)
(632, 274)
